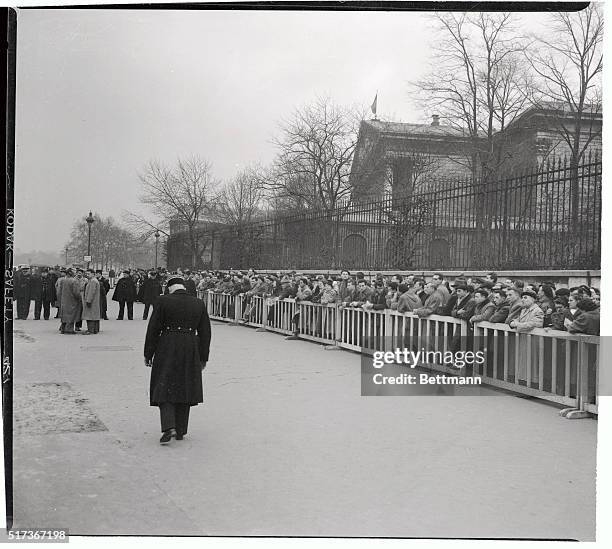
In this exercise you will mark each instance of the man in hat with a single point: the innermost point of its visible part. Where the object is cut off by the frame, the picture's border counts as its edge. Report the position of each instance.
(69, 299)
(104, 289)
(43, 293)
(189, 283)
(531, 316)
(91, 303)
(22, 292)
(151, 290)
(176, 348)
(125, 294)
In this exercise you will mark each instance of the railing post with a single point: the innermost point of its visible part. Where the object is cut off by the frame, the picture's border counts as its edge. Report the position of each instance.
(335, 346)
(582, 388)
(237, 310)
(387, 334)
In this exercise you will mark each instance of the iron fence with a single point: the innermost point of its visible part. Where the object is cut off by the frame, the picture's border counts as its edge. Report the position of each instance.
(547, 218)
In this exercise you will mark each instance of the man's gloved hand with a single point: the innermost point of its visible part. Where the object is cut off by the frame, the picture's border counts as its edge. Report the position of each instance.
(148, 362)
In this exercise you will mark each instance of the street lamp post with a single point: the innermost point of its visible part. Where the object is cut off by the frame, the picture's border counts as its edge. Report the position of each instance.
(66, 250)
(156, 243)
(90, 221)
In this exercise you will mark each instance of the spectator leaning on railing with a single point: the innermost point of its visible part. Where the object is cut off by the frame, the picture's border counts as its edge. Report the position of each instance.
(586, 318)
(484, 309)
(531, 316)
(465, 305)
(435, 300)
(409, 300)
(502, 307)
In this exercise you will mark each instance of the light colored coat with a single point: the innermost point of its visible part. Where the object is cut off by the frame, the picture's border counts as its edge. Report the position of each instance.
(91, 300)
(530, 318)
(69, 299)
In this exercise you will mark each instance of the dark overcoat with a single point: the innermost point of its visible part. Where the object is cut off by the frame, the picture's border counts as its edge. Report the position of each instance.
(125, 290)
(150, 290)
(176, 375)
(23, 287)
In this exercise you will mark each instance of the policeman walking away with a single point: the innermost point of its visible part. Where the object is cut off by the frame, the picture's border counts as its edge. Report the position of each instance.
(176, 348)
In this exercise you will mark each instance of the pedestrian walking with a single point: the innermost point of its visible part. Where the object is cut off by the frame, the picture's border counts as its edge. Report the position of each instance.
(176, 348)
(150, 290)
(111, 278)
(125, 294)
(91, 303)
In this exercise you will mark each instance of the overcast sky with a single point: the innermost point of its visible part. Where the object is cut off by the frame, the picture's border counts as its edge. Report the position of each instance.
(102, 92)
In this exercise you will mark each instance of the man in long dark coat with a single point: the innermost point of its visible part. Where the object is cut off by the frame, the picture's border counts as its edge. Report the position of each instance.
(125, 294)
(22, 292)
(176, 347)
(43, 293)
(150, 290)
(104, 289)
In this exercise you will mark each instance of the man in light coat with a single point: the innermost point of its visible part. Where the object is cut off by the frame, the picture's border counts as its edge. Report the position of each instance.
(530, 317)
(69, 300)
(91, 303)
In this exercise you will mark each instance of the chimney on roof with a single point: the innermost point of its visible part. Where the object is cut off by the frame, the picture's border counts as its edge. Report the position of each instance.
(435, 119)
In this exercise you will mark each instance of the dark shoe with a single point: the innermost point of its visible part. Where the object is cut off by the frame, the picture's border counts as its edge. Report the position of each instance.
(167, 436)
(179, 436)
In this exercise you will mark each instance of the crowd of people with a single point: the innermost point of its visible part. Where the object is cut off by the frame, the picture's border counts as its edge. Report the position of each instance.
(81, 294)
(521, 305)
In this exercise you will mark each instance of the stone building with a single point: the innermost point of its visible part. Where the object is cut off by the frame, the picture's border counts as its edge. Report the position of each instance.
(393, 158)
(535, 137)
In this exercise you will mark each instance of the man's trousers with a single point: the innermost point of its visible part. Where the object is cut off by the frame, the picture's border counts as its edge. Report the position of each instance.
(174, 416)
(130, 309)
(45, 306)
(23, 308)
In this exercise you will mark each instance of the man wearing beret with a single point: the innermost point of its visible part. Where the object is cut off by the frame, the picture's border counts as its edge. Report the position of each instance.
(176, 348)
(531, 316)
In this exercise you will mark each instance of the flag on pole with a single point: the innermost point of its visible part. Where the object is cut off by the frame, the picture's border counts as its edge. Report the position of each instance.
(373, 106)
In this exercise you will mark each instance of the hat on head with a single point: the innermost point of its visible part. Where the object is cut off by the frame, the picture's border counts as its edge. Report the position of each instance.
(175, 280)
(463, 286)
(98, 271)
(459, 282)
(530, 294)
(127, 272)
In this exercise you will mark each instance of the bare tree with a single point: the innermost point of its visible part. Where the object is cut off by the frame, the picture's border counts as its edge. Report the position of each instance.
(474, 82)
(316, 148)
(180, 197)
(567, 70)
(240, 199)
(111, 245)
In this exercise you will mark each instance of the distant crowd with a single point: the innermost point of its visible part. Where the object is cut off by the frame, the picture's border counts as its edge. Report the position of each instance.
(522, 305)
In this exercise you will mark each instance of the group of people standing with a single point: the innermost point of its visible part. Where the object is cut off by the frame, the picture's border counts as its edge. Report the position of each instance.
(81, 295)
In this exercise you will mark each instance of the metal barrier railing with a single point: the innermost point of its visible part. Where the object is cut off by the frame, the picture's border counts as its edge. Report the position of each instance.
(548, 364)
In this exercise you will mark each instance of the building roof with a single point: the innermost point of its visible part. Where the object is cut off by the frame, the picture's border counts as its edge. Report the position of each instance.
(558, 109)
(402, 128)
